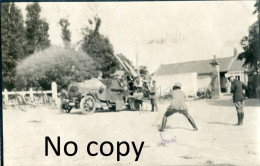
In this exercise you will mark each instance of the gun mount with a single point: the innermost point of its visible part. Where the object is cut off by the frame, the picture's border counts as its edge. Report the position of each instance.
(115, 94)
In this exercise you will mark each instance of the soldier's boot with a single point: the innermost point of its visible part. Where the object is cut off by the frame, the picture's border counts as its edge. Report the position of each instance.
(152, 109)
(164, 121)
(238, 119)
(241, 118)
(192, 122)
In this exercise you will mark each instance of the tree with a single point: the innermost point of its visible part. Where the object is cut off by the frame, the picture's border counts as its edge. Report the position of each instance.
(251, 45)
(251, 54)
(257, 9)
(66, 34)
(37, 37)
(54, 64)
(99, 48)
(13, 40)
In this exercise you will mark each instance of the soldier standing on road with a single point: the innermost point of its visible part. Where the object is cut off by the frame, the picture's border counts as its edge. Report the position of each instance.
(177, 105)
(153, 96)
(238, 98)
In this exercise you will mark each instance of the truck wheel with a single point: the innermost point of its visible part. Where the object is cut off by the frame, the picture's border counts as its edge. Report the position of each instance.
(88, 105)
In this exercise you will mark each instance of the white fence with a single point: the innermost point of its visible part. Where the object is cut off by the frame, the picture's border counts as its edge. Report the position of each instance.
(31, 92)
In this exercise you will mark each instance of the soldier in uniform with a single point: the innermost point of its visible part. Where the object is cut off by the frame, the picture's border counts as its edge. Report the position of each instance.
(100, 74)
(153, 95)
(177, 106)
(238, 98)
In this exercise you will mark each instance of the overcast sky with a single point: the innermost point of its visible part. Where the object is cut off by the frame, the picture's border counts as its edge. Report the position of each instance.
(160, 32)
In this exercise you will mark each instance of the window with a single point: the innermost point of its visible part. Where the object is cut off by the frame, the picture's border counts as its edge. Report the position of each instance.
(237, 77)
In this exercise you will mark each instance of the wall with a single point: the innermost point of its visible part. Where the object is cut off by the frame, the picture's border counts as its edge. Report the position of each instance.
(188, 81)
(239, 74)
(203, 81)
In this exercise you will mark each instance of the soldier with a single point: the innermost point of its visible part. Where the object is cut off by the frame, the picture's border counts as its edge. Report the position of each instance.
(100, 74)
(124, 84)
(177, 105)
(238, 98)
(153, 96)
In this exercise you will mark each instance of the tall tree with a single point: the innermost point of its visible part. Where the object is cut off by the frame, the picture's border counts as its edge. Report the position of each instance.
(37, 37)
(13, 39)
(257, 9)
(99, 48)
(250, 43)
(65, 32)
(251, 54)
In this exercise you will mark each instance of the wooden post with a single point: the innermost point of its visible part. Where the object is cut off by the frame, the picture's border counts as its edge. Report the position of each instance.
(31, 94)
(6, 96)
(54, 91)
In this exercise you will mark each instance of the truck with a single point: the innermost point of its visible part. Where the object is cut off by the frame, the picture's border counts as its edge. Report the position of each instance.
(118, 93)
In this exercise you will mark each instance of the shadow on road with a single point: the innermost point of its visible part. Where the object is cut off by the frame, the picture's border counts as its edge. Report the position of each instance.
(229, 103)
(78, 112)
(183, 128)
(221, 123)
(169, 127)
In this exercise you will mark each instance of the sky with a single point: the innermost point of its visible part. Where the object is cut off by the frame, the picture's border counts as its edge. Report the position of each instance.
(157, 32)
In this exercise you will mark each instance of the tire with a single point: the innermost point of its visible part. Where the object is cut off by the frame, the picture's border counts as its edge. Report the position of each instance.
(113, 108)
(88, 105)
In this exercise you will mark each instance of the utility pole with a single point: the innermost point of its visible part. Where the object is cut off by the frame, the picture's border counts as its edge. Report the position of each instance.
(136, 58)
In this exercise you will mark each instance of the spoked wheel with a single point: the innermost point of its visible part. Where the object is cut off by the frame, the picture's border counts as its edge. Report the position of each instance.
(88, 105)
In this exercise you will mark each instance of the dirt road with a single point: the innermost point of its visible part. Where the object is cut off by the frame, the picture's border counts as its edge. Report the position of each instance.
(216, 142)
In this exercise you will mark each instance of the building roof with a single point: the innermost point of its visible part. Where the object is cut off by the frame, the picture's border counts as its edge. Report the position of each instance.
(203, 66)
(237, 65)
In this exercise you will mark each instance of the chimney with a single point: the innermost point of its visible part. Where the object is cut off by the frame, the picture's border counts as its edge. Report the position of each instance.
(235, 52)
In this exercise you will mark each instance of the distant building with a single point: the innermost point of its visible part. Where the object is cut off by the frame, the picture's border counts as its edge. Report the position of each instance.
(195, 75)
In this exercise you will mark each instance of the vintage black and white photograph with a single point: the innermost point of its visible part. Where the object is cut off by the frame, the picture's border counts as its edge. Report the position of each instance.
(130, 83)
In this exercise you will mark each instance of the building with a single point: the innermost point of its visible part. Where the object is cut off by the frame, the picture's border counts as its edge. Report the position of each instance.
(195, 75)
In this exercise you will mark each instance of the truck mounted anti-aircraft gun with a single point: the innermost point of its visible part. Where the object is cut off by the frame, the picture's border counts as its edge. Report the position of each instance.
(101, 94)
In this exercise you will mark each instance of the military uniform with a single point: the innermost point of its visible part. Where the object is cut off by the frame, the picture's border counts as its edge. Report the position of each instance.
(177, 105)
(238, 98)
(153, 97)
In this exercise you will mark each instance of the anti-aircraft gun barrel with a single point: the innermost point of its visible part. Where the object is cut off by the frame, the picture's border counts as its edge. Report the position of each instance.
(127, 67)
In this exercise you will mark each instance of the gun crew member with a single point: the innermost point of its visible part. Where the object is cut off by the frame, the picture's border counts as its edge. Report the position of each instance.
(237, 88)
(153, 96)
(177, 106)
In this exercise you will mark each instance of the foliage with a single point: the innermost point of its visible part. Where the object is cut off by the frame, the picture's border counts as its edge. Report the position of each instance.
(12, 38)
(37, 37)
(143, 70)
(66, 34)
(250, 44)
(54, 64)
(99, 48)
(257, 9)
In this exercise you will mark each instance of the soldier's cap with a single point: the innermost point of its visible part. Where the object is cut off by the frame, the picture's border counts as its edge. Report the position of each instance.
(178, 84)
(230, 76)
(227, 75)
